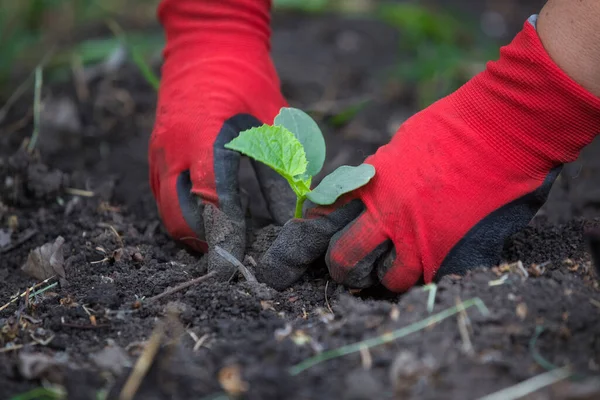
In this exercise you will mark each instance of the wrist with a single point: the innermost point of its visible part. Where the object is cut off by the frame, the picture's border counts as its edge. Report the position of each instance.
(528, 109)
(569, 32)
(215, 26)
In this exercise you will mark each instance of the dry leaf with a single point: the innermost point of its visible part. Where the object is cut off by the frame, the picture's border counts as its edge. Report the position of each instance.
(231, 380)
(46, 261)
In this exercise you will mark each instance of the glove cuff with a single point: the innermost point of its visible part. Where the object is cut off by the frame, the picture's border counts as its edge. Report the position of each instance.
(528, 109)
(209, 26)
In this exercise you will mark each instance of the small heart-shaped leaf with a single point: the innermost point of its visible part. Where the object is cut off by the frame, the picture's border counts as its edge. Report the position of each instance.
(308, 133)
(274, 146)
(343, 180)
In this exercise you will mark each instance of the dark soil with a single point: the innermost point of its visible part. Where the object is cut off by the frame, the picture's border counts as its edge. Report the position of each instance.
(86, 333)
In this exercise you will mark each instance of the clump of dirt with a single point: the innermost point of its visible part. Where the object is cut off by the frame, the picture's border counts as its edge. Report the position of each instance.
(87, 335)
(241, 339)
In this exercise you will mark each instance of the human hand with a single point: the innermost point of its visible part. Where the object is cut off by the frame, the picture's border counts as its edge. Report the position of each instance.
(456, 180)
(217, 80)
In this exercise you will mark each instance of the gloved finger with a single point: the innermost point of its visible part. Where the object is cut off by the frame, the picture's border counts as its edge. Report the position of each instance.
(397, 276)
(354, 251)
(227, 233)
(225, 225)
(178, 207)
(279, 196)
(300, 243)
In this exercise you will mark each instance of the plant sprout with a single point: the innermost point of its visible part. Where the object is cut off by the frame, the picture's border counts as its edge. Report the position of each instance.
(295, 148)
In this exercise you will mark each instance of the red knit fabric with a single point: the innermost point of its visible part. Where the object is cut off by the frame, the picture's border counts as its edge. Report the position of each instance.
(216, 65)
(449, 166)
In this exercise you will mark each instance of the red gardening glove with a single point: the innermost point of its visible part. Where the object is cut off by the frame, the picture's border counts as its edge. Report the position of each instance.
(217, 80)
(456, 180)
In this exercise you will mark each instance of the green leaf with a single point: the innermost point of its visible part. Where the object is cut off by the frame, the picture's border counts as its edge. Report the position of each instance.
(308, 133)
(274, 146)
(343, 180)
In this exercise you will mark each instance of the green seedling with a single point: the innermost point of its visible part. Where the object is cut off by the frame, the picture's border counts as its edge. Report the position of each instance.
(295, 148)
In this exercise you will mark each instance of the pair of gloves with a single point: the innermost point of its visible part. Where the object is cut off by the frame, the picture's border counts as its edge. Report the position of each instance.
(455, 181)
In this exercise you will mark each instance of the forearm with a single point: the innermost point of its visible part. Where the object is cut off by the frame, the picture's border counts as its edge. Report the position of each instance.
(570, 33)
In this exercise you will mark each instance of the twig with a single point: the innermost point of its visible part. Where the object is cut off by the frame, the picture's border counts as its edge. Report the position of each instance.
(184, 285)
(531, 385)
(387, 337)
(11, 348)
(143, 364)
(112, 228)
(249, 276)
(37, 108)
(432, 289)
(327, 299)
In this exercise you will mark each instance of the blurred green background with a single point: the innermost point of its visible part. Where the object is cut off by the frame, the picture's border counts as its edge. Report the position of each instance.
(444, 40)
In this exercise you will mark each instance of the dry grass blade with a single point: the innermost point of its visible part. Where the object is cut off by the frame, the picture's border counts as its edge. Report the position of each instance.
(327, 299)
(366, 359)
(11, 348)
(432, 289)
(387, 337)
(79, 192)
(37, 108)
(463, 327)
(37, 285)
(249, 276)
(531, 385)
(143, 364)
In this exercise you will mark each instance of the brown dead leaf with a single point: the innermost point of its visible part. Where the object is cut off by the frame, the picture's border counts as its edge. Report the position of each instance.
(46, 261)
(231, 380)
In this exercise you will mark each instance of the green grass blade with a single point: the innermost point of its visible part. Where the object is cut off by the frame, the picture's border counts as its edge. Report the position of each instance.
(385, 338)
(39, 394)
(531, 385)
(136, 56)
(37, 108)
